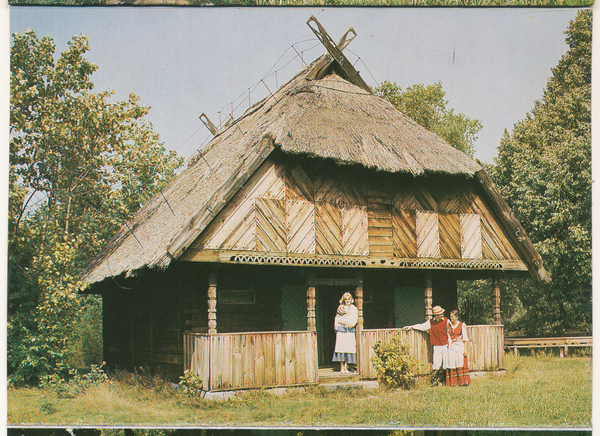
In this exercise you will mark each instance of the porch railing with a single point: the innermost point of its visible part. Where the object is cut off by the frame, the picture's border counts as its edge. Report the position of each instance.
(252, 360)
(485, 352)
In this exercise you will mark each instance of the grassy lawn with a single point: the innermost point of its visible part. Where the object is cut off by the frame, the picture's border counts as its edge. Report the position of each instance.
(534, 392)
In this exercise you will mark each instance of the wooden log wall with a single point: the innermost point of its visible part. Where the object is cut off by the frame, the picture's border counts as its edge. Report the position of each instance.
(143, 326)
(485, 352)
(261, 313)
(290, 208)
(253, 360)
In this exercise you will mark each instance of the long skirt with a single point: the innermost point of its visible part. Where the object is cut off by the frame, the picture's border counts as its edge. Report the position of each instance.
(345, 345)
(344, 357)
(458, 376)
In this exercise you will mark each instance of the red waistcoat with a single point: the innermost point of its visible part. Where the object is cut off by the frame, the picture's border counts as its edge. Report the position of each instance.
(455, 332)
(438, 333)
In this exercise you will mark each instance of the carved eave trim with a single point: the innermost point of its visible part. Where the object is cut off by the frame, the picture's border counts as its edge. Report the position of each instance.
(317, 260)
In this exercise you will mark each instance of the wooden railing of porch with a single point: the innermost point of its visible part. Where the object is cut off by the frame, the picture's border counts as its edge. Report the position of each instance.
(252, 360)
(485, 351)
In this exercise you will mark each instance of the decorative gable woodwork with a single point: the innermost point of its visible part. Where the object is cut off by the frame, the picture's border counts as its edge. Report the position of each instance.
(450, 236)
(283, 210)
(300, 227)
(428, 234)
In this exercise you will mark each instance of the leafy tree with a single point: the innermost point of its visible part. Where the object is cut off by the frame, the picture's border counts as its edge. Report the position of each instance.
(543, 170)
(426, 106)
(80, 165)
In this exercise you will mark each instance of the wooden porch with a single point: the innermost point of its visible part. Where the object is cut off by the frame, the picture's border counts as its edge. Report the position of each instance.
(228, 361)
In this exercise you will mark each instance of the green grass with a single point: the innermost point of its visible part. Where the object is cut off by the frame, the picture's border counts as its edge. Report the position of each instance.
(534, 392)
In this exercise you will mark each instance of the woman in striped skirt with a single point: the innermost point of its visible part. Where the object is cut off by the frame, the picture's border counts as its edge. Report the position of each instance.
(457, 372)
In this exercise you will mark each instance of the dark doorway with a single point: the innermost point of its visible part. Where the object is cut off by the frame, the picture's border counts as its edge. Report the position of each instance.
(328, 299)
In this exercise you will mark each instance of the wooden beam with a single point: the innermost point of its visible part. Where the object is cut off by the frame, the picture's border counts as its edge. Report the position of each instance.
(212, 303)
(310, 306)
(496, 301)
(335, 51)
(358, 294)
(428, 296)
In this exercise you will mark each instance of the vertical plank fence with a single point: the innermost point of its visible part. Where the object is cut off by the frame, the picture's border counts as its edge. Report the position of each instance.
(252, 360)
(485, 352)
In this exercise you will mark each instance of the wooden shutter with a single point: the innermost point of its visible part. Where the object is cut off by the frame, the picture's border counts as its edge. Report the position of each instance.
(300, 227)
(293, 308)
(270, 225)
(328, 229)
(470, 240)
(409, 305)
(355, 235)
(428, 234)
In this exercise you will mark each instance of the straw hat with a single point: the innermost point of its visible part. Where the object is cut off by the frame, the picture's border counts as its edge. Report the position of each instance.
(437, 310)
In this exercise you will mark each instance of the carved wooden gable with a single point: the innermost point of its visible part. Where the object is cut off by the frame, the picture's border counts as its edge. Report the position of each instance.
(284, 211)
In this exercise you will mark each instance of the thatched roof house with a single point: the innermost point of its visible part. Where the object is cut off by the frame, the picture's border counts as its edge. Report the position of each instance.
(319, 185)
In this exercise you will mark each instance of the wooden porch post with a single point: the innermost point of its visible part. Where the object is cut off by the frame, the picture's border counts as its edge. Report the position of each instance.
(496, 301)
(310, 309)
(428, 296)
(212, 303)
(358, 294)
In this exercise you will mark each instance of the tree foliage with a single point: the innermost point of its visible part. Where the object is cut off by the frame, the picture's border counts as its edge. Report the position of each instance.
(426, 105)
(80, 165)
(543, 170)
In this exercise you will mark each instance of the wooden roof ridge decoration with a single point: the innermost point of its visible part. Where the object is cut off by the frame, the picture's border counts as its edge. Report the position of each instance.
(322, 112)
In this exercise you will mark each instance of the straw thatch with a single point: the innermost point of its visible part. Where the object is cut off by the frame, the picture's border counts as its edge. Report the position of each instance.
(328, 118)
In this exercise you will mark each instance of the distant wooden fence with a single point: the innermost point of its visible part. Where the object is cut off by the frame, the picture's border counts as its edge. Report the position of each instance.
(252, 360)
(485, 352)
(562, 343)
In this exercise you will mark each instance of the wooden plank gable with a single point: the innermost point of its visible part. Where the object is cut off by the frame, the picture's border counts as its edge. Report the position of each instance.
(470, 236)
(450, 236)
(428, 235)
(355, 231)
(300, 227)
(290, 209)
(270, 225)
(328, 229)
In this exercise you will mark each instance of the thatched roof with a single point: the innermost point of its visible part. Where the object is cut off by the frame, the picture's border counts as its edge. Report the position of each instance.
(328, 117)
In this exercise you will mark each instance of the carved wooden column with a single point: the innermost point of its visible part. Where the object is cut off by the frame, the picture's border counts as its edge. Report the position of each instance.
(428, 296)
(212, 303)
(358, 299)
(358, 293)
(310, 309)
(496, 301)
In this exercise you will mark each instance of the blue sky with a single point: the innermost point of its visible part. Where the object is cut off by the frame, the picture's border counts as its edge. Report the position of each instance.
(493, 62)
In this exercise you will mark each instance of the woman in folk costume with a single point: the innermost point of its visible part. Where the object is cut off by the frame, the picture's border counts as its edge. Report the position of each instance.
(345, 337)
(457, 373)
(438, 335)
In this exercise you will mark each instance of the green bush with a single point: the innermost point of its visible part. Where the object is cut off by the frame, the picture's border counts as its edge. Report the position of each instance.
(191, 383)
(74, 383)
(394, 365)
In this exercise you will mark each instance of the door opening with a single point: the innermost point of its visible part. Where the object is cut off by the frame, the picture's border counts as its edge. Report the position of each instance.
(327, 301)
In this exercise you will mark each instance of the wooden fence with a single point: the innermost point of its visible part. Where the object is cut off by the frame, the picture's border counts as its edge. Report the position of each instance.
(562, 343)
(252, 360)
(485, 352)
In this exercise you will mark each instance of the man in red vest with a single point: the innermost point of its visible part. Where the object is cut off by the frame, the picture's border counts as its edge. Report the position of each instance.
(439, 340)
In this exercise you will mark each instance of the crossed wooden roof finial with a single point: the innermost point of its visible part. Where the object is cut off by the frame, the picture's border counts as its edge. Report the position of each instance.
(335, 54)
